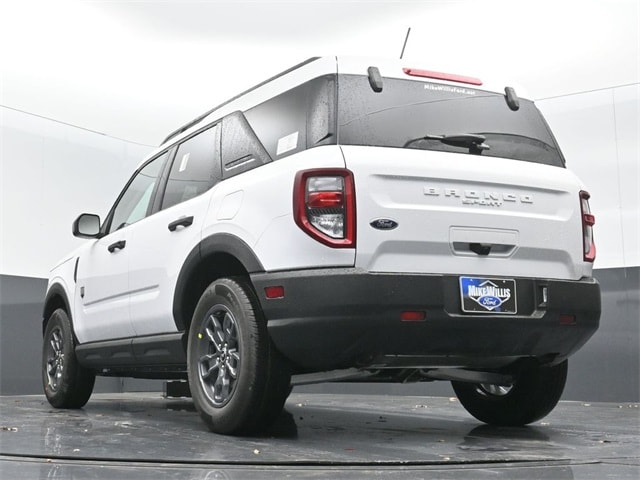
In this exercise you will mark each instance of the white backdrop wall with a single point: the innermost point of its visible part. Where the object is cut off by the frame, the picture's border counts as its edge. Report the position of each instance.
(598, 132)
(50, 172)
(138, 69)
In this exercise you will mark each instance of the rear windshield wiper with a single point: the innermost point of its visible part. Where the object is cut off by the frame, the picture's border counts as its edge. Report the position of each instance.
(474, 142)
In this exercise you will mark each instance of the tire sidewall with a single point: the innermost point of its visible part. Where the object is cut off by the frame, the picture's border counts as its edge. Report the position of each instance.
(59, 320)
(533, 396)
(237, 411)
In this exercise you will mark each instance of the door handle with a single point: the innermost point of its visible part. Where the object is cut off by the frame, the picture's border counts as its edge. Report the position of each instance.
(119, 245)
(181, 222)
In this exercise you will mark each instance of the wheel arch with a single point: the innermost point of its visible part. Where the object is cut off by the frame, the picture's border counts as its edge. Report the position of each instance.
(56, 298)
(218, 255)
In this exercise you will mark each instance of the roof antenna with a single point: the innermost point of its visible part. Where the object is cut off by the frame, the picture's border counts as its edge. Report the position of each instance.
(405, 42)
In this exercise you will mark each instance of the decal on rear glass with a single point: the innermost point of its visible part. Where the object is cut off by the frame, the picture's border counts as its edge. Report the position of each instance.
(288, 143)
(436, 87)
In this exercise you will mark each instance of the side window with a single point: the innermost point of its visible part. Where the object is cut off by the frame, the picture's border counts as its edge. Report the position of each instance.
(300, 118)
(134, 202)
(195, 168)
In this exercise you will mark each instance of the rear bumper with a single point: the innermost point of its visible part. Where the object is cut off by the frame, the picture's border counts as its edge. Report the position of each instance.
(339, 318)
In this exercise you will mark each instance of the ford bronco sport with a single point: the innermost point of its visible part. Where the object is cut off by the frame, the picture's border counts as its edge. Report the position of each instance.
(346, 220)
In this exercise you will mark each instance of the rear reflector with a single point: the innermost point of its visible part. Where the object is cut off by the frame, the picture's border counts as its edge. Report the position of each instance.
(450, 77)
(413, 316)
(274, 292)
(566, 319)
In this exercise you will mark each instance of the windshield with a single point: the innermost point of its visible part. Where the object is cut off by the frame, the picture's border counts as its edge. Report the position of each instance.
(431, 116)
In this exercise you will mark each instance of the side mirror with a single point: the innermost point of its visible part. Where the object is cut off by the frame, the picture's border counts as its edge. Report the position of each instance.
(86, 225)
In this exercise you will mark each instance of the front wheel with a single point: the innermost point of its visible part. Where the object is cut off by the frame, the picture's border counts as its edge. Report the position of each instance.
(238, 381)
(66, 383)
(531, 397)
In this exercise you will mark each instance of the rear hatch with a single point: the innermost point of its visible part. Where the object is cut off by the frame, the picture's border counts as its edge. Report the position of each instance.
(434, 212)
(453, 180)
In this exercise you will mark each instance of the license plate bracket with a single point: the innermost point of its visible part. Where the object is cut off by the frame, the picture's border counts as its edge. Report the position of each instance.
(482, 295)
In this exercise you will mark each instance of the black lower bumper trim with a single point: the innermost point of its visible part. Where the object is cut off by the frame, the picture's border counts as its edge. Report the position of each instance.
(341, 318)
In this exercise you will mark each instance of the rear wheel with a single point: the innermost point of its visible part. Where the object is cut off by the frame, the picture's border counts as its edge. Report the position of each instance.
(238, 381)
(66, 383)
(531, 397)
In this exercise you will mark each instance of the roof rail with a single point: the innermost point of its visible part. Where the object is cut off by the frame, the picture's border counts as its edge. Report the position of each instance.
(198, 119)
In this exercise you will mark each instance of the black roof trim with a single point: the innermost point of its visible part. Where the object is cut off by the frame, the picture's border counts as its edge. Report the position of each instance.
(204, 115)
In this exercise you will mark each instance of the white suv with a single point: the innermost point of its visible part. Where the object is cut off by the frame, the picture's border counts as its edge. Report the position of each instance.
(346, 220)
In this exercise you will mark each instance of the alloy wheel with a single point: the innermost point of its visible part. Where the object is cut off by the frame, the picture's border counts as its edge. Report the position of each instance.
(495, 390)
(219, 355)
(55, 359)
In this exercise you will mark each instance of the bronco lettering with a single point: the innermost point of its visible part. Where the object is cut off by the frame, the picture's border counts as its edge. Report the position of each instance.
(477, 197)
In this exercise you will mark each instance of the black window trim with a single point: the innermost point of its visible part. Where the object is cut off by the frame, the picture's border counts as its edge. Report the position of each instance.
(260, 155)
(162, 181)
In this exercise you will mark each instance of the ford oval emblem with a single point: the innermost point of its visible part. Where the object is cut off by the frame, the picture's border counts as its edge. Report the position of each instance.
(384, 224)
(489, 301)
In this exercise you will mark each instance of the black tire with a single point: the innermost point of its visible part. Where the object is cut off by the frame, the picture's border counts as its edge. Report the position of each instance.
(534, 394)
(238, 380)
(66, 383)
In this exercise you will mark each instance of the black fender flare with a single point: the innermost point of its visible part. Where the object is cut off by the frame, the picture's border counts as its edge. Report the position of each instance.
(218, 243)
(56, 290)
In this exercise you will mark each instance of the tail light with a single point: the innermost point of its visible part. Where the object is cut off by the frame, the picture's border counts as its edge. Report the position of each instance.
(588, 221)
(324, 206)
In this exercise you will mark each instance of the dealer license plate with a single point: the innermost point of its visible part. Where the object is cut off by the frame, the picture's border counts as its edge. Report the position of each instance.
(488, 295)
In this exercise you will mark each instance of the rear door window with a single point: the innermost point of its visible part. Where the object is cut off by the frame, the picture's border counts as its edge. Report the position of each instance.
(195, 169)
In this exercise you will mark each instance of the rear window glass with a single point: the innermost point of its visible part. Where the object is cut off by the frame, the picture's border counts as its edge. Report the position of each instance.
(407, 111)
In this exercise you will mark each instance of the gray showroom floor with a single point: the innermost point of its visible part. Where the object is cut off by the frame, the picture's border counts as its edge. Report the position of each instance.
(137, 436)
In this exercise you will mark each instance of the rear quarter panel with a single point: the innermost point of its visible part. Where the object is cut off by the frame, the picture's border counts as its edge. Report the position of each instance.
(257, 207)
